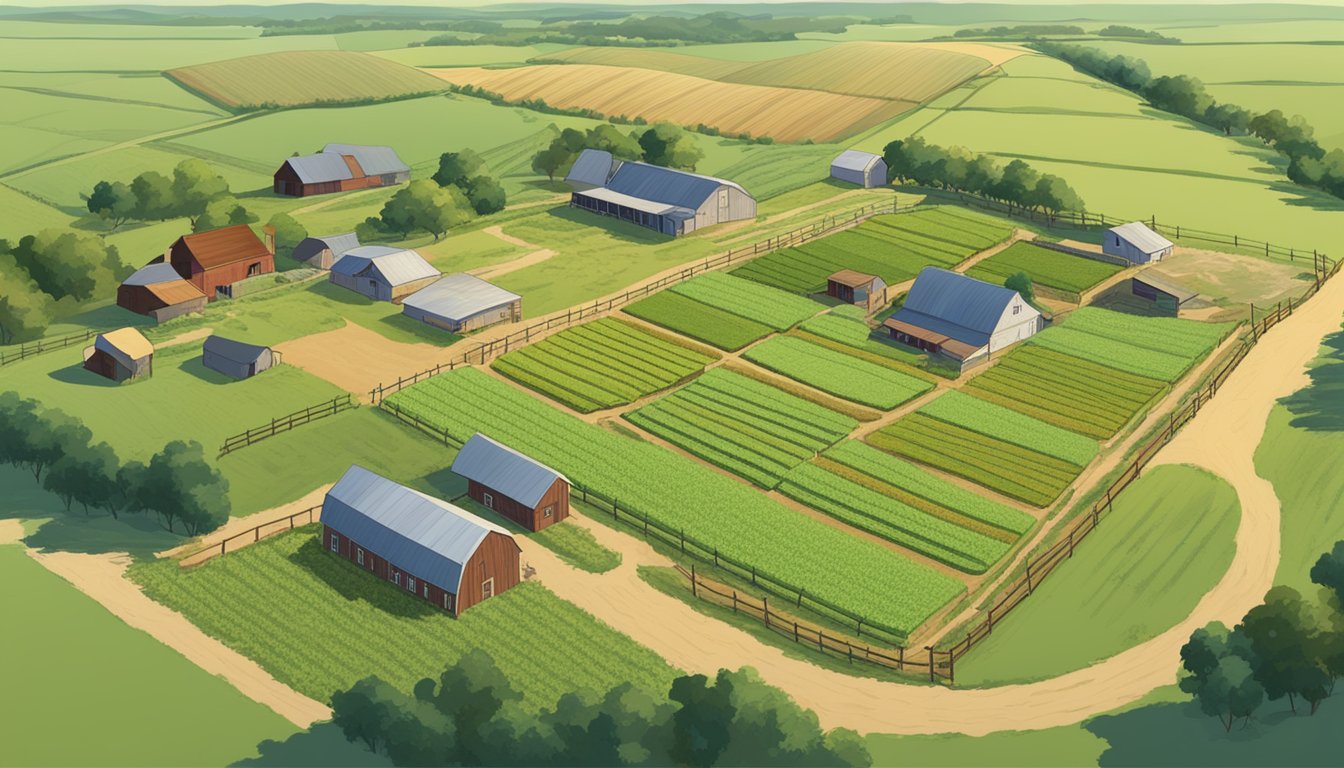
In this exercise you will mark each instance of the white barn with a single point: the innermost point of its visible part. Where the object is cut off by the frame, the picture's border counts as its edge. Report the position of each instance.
(1136, 243)
(961, 318)
(863, 168)
(663, 199)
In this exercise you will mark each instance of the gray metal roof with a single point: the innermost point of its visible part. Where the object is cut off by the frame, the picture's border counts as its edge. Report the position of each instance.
(375, 160)
(638, 203)
(1137, 234)
(854, 160)
(955, 305)
(458, 297)
(665, 185)
(1166, 285)
(521, 478)
(339, 244)
(235, 351)
(153, 274)
(396, 266)
(314, 169)
(591, 169)
(426, 537)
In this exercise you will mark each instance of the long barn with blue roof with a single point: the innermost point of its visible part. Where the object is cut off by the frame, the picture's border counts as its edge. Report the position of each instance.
(961, 318)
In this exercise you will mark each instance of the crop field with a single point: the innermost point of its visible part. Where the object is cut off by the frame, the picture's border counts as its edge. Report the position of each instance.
(838, 373)
(1069, 392)
(689, 317)
(682, 495)
(280, 601)
(747, 427)
(1010, 426)
(646, 58)
(759, 303)
(1001, 466)
(1051, 269)
(297, 78)
(785, 114)
(601, 364)
(1154, 347)
(894, 247)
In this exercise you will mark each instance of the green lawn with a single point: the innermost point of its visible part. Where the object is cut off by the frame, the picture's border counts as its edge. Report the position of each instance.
(1167, 542)
(68, 663)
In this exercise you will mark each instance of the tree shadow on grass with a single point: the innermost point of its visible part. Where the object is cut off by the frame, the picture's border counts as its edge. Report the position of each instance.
(622, 230)
(335, 293)
(141, 535)
(419, 332)
(355, 583)
(321, 746)
(1319, 407)
(78, 375)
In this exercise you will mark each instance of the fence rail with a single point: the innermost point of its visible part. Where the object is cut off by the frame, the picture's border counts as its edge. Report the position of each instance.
(32, 348)
(251, 536)
(286, 423)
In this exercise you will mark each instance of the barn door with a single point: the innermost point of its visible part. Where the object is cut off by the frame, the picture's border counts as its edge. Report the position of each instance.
(488, 588)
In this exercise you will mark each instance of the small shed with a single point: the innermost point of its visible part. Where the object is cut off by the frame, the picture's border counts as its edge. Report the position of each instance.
(234, 358)
(120, 355)
(1136, 243)
(462, 303)
(156, 290)
(321, 252)
(856, 288)
(516, 486)
(431, 549)
(1165, 293)
(863, 168)
(382, 273)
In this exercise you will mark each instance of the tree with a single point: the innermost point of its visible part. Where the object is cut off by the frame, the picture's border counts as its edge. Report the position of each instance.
(456, 168)
(670, 146)
(1021, 282)
(609, 138)
(1017, 181)
(85, 474)
(180, 486)
(485, 194)
(25, 310)
(700, 728)
(195, 186)
(1328, 571)
(288, 233)
(550, 160)
(154, 199)
(1281, 632)
(469, 694)
(112, 201)
(362, 713)
(220, 212)
(424, 205)
(63, 263)
(1230, 691)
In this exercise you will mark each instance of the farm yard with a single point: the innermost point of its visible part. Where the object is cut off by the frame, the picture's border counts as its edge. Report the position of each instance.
(300, 78)
(1051, 269)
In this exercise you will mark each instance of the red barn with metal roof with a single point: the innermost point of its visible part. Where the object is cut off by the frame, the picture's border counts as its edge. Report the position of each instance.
(221, 257)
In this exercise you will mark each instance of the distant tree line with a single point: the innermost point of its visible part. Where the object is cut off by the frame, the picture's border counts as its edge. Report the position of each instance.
(195, 191)
(473, 716)
(177, 485)
(1120, 30)
(1286, 647)
(647, 31)
(961, 170)
(460, 190)
(662, 144)
(1309, 164)
(48, 275)
(1021, 30)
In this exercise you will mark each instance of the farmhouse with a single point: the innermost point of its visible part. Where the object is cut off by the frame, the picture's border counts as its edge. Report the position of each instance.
(158, 291)
(852, 287)
(961, 318)
(322, 252)
(340, 168)
(213, 261)
(461, 303)
(863, 168)
(383, 273)
(1162, 291)
(236, 359)
(516, 486)
(120, 355)
(665, 200)
(1136, 243)
(423, 545)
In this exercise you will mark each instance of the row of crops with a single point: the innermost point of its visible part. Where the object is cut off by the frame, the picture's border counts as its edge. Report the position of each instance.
(698, 321)
(601, 364)
(839, 373)
(725, 311)
(747, 427)
(682, 495)
(1153, 347)
(894, 247)
(1008, 425)
(1052, 269)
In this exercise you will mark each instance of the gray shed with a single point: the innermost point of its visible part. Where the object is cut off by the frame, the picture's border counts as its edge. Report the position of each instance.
(323, 251)
(666, 200)
(461, 303)
(234, 358)
(591, 169)
(1136, 243)
(383, 273)
(960, 317)
(1162, 291)
(863, 168)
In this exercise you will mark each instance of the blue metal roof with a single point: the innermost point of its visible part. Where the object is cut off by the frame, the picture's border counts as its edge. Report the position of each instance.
(591, 169)
(665, 185)
(153, 274)
(235, 351)
(957, 299)
(426, 537)
(492, 464)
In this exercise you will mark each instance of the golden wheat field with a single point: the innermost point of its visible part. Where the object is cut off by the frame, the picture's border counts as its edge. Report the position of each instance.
(645, 58)
(785, 114)
(295, 78)
(879, 70)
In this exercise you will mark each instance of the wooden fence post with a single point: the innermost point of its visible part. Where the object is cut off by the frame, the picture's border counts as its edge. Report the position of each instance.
(765, 601)
(694, 593)
(929, 648)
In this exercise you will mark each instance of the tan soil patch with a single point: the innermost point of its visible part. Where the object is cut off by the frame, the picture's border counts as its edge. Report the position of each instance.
(1234, 278)
(11, 531)
(495, 271)
(357, 359)
(498, 232)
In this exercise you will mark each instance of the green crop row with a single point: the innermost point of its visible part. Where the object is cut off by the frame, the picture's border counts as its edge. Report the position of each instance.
(883, 516)
(681, 495)
(698, 321)
(837, 373)
(777, 309)
(1010, 426)
(1053, 269)
(1190, 339)
(1114, 353)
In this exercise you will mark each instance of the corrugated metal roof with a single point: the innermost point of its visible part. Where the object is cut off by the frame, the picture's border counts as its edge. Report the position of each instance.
(458, 297)
(175, 292)
(124, 341)
(397, 266)
(424, 536)
(218, 247)
(375, 160)
(591, 168)
(338, 244)
(665, 185)
(957, 299)
(159, 272)
(1166, 285)
(638, 203)
(1137, 234)
(322, 167)
(235, 351)
(492, 464)
(854, 160)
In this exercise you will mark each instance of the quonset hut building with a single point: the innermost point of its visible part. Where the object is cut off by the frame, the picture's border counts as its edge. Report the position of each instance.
(665, 200)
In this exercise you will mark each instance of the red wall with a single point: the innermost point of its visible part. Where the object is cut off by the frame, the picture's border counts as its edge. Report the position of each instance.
(531, 518)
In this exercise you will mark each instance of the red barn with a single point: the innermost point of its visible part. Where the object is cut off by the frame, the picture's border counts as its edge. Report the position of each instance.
(517, 487)
(340, 168)
(433, 550)
(217, 259)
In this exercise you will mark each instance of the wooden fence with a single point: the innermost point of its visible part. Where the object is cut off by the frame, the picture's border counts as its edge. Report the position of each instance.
(252, 536)
(287, 422)
(45, 345)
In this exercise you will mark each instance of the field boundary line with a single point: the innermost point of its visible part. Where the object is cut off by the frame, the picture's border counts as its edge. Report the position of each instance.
(287, 422)
(252, 536)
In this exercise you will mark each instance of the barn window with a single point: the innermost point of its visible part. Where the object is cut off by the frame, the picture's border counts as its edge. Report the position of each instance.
(488, 588)
(254, 269)
(359, 555)
(425, 587)
(547, 511)
(488, 500)
(410, 583)
(1017, 309)
(396, 578)
(335, 543)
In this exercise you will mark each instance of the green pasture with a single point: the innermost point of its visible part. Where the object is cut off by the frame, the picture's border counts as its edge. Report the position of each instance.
(68, 661)
(1167, 541)
(143, 55)
(468, 55)
(68, 31)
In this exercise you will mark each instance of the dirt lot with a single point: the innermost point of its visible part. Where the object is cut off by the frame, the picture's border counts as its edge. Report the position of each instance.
(1236, 281)
(357, 359)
